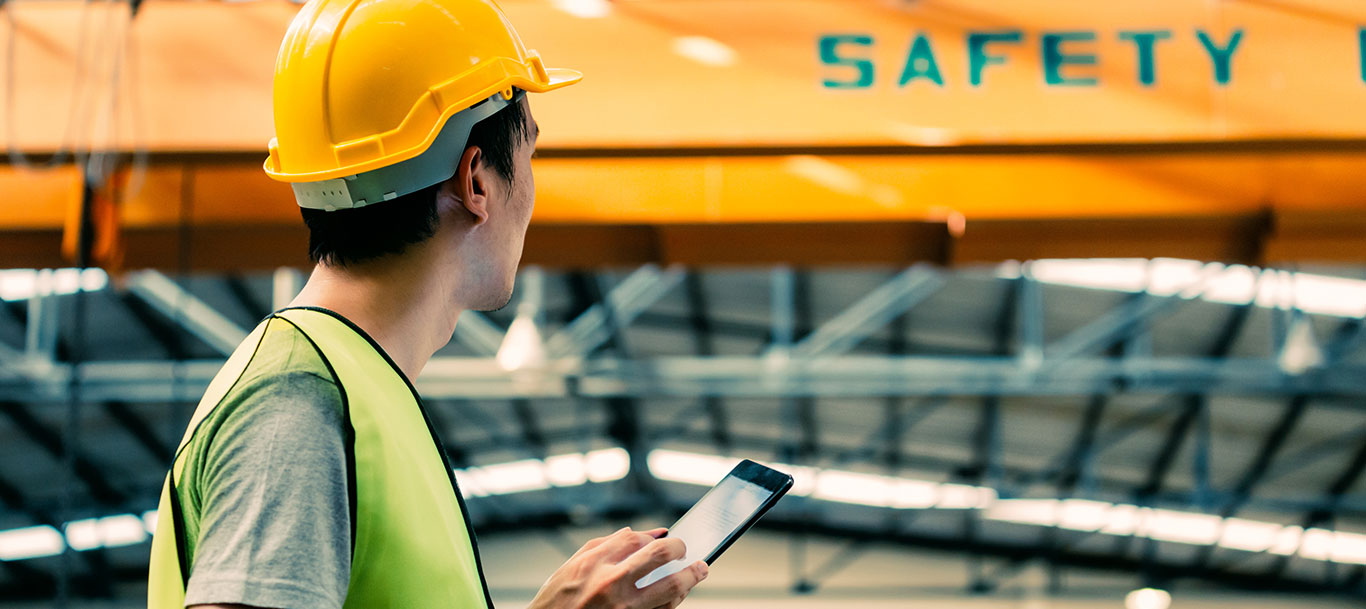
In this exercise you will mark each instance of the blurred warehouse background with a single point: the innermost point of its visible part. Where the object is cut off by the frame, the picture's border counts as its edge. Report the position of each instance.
(1046, 303)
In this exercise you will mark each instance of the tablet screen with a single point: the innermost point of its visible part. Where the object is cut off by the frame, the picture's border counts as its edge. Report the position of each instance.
(725, 508)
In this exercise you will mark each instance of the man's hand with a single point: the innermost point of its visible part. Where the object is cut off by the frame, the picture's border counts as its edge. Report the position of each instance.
(603, 574)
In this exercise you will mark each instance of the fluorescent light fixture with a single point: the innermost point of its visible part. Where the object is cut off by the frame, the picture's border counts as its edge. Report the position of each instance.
(964, 497)
(1214, 282)
(1118, 519)
(1120, 275)
(30, 542)
(1184, 527)
(1349, 548)
(469, 484)
(1148, 598)
(508, 478)
(607, 464)
(1084, 515)
(149, 521)
(107, 532)
(121, 530)
(1329, 295)
(825, 484)
(82, 534)
(688, 468)
(1249, 535)
(1041, 512)
(566, 470)
(571, 469)
(522, 346)
(834, 485)
(1287, 541)
(1316, 544)
(1301, 351)
(584, 9)
(915, 494)
(1125, 519)
(803, 478)
(22, 284)
(706, 51)
(851, 487)
(707, 470)
(285, 284)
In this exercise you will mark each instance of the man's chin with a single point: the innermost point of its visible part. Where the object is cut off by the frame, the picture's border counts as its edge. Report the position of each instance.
(494, 305)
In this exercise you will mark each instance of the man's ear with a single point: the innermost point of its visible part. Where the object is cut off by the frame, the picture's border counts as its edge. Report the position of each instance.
(469, 186)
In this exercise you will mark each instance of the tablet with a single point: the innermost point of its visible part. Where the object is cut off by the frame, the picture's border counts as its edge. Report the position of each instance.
(722, 515)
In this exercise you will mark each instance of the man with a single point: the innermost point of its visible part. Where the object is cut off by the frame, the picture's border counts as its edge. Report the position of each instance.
(309, 475)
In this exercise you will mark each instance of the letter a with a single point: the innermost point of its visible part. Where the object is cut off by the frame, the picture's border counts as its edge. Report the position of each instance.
(920, 63)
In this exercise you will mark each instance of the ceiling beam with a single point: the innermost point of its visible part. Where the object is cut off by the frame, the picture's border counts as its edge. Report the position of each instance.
(748, 376)
(605, 319)
(870, 314)
(52, 443)
(187, 310)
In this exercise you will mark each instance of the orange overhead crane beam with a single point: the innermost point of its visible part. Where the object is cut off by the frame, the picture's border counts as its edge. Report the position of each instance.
(721, 132)
(236, 218)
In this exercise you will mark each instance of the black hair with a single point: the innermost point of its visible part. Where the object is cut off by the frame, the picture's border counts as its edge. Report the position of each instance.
(353, 236)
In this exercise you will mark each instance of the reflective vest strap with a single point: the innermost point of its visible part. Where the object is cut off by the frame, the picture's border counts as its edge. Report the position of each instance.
(414, 546)
(178, 524)
(166, 580)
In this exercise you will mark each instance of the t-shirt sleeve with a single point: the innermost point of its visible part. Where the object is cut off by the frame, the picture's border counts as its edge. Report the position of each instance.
(275, 527)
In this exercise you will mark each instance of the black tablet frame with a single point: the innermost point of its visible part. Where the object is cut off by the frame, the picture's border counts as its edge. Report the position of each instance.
(772, 480)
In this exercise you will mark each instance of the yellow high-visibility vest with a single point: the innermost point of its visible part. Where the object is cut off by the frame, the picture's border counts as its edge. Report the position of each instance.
(412, 544)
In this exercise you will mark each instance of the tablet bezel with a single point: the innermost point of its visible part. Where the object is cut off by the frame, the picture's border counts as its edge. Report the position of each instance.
(772, 480)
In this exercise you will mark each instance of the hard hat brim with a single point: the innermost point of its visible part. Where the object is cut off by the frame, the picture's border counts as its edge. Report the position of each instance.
(558, 77)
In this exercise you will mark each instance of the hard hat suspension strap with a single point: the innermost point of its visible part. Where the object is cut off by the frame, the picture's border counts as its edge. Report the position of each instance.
(437, 164)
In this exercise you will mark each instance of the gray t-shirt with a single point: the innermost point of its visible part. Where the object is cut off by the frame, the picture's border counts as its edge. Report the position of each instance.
(266, 476)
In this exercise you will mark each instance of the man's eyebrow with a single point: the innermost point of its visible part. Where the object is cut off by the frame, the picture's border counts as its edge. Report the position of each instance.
(536, 135)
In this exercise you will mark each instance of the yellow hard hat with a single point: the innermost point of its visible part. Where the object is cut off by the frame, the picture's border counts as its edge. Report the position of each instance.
(366, 84)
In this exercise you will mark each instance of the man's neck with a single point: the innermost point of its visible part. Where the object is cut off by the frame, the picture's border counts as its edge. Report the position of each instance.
(403, 308)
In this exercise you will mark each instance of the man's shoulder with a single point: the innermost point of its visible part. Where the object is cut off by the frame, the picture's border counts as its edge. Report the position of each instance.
(284, 353)
(286, 381)
(286, 370)
(264, 482)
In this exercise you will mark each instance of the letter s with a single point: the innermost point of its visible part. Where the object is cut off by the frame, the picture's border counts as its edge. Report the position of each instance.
(829, 46)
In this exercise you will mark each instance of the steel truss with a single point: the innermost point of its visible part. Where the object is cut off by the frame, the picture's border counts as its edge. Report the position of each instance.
(814, 364)
(844, 376)
(588, 358)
